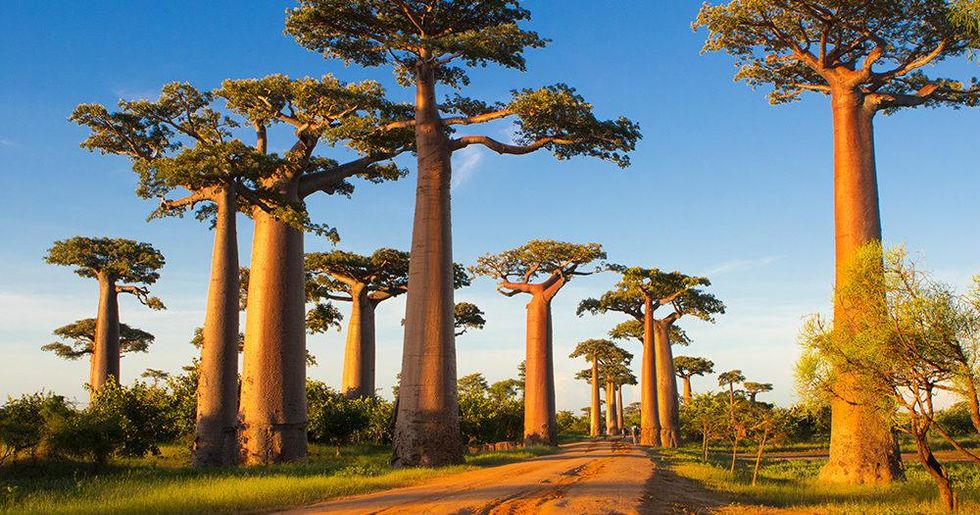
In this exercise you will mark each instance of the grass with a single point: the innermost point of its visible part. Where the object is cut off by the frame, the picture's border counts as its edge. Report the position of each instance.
(166, 484)
(794, 485)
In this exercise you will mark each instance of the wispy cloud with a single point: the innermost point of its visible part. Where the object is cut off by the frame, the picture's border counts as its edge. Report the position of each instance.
(742, 264)
(8, 143)
(465, 163)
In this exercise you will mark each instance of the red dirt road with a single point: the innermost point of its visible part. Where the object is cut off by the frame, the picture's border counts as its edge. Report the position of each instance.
(583, 478)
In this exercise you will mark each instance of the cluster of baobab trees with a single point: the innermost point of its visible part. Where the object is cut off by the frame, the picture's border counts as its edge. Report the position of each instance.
(210, 150)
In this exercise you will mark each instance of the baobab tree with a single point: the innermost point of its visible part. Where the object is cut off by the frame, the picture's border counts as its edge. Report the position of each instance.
(752, 389)
(639, 293)
(120, 266)
(539, 268)
(688, 366)
(273, 394)
(728, 380)
(364, 282)
(179, 144)
(867, 57)
(77, 340)
(466, 316)
(430, 43)
(596, 351)
(612, 374)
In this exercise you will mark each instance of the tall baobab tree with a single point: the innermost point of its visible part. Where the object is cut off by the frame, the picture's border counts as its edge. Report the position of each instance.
(552, 264)
(180, 144)
(639, 293)
(430, 43)
(120, 266)
(752, 389)
(598, 352)
(866, 57)
(688, 366)
(622, 376)
(365, 282)
(78, 339)
(324, 111)
(611, 374)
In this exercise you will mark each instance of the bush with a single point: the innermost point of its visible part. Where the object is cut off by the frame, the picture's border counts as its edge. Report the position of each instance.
(85, 435)
(568, 423)
(491, 413)
(24, 423)
(956, 420)
(338, 420)
(145, 414)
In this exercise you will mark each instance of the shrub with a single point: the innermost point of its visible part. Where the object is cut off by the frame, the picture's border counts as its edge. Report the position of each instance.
(86, 435)
(24, 422)
(956, 420)
(144, 413)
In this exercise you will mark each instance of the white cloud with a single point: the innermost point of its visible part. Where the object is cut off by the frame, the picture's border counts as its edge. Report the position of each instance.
(465, 164)
(742, 264)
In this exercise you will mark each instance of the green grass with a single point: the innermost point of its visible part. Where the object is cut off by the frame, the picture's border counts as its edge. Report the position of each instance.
(166, 484)
(793, 484)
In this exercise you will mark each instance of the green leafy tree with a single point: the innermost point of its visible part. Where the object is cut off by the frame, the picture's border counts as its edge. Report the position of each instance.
(467, 316)
(909, 336)
(639, 293)
(867, 57)
(539, 268)
(120, 266)
(429, 44)
(688, 366)
(706, 416)
(77, 340)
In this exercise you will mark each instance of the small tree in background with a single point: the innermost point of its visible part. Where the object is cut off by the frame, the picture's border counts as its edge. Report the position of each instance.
(687, 366)
(120, 266)
(467, 316)
(601, 354)
(554, 263)
(78, 340)
(736, 424)
(753, 389)
(706, 415)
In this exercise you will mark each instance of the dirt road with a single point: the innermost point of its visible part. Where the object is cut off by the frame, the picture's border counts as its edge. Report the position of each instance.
(586, 477)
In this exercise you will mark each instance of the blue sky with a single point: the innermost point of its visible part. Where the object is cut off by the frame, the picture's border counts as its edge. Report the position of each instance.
(722, 184)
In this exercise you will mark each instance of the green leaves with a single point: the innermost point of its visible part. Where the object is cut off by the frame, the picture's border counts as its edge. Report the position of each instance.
(687, 366)
(872, 47)
(539, 257)
(681, 292)
(411, 33)
(558, 113)
(116, 258)
(78, 337)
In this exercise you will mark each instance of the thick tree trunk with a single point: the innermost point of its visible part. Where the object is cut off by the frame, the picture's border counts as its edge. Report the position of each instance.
(670, 426)
(216, 434)
(943, 482)
(105, 349)
(619, 408)
(274, 361)
(612, 427)
(540, 426)
(687, 389)
(862, 447)
(359, 357)
(594, 421)
(649, 412)
(427, 423)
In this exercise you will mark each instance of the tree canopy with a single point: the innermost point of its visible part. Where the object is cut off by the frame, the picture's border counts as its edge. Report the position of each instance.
(879, 48)
(467, 316)
(687, 366)
(638, 285)
(634, 329)
(730, 378)
(555, 261)
(447, 36)
(115, 259)
(78, 338)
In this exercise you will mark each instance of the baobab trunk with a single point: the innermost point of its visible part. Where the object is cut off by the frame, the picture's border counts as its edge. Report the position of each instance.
(649, 417)
(274, 361)
(216, 433)
(862, 447)
(619, 407)
(594, 424)
(427, 422)
(105, 348)
(670, 431)
(359, 355)
(612, 428)
(540, 426)
(687, 389)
